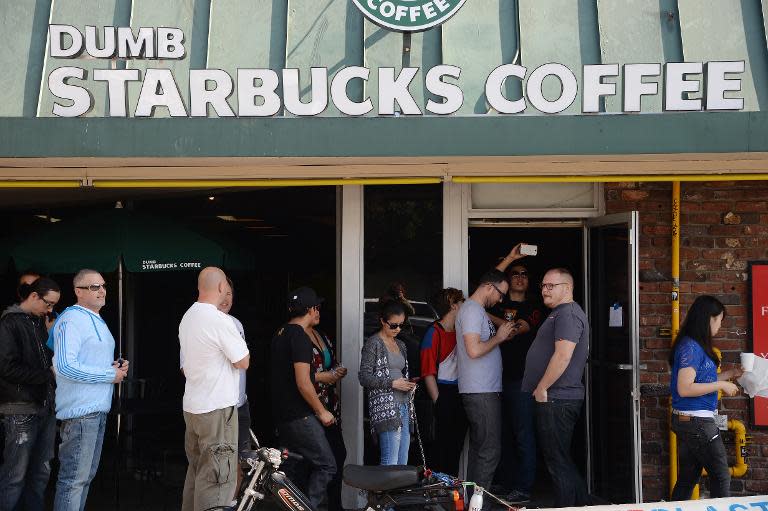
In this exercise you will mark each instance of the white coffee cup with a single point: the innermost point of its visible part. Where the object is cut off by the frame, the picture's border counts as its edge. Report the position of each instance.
(747, 361)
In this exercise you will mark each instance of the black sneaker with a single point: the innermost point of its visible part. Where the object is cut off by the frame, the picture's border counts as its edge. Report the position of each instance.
(517, 497)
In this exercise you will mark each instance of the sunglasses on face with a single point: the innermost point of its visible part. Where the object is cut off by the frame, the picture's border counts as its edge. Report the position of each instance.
(93, 287)
(395, 326)
(522, 274)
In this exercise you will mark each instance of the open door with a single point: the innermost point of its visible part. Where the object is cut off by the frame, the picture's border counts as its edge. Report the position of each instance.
(613, 380)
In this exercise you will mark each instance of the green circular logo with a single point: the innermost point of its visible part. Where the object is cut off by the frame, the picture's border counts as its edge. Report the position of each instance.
(409, 15)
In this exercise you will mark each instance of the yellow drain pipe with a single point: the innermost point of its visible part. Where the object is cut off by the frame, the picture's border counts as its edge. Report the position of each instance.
(675, 320)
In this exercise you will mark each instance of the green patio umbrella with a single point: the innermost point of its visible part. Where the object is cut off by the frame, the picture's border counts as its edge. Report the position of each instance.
(100, 241)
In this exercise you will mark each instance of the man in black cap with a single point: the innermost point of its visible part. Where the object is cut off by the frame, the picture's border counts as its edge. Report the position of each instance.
(300, 415)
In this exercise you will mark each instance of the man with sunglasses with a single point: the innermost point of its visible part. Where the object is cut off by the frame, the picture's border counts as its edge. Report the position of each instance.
(554, 369)
(517, 469)
(27, 398)
(479, 363)
(300, 415)
(86, 372)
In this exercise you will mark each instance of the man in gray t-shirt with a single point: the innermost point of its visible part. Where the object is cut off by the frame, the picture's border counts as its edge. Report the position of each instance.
(479, 364)
(554, 368)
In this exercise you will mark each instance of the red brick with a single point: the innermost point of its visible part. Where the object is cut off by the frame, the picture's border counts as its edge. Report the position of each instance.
(714, 206)
(760, 206)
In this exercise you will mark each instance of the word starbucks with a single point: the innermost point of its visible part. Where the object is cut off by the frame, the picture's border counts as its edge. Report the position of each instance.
(685, 86)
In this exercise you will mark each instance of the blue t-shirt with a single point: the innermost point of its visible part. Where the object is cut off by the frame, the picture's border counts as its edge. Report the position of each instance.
(688, 353)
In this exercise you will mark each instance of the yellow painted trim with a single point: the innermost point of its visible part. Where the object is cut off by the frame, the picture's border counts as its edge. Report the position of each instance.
(40, 184)
(610, 179)
(254, 183)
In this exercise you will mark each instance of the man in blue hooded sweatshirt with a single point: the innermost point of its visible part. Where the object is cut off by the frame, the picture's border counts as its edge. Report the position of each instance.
(85, 373)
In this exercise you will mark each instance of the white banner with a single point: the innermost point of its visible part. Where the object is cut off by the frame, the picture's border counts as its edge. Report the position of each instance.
(756, 503)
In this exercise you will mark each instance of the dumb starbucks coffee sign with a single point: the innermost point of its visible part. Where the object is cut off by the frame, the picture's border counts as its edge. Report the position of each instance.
(409, 15)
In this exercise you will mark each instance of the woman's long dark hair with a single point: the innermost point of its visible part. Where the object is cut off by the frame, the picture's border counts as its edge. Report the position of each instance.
(697, 325)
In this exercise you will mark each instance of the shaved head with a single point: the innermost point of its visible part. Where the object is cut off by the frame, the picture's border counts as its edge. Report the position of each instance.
(564, 274)
(212, 286)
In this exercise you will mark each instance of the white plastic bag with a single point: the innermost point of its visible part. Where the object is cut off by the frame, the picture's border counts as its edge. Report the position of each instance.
(754, 381)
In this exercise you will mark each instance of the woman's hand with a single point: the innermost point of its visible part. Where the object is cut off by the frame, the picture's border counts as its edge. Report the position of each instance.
(729, 388)
(403, 385)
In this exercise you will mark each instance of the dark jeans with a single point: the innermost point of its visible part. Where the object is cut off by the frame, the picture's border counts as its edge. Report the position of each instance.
(700, 445)
(517, 470)
(484, 416)
(306, 436)
(244, 427)
(555, 422)
(450, 429)
(27, 451)
(336, 441)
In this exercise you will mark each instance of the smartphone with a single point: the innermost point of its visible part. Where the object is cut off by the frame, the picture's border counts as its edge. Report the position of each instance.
(529, 250)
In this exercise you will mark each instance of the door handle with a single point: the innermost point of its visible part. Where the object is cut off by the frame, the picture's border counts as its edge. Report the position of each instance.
(628, 367)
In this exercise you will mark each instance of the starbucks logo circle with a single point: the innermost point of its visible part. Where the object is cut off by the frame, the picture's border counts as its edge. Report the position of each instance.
(409, 15)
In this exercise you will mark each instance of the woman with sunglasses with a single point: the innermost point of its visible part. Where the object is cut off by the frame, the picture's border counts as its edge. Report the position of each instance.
(694, 386)
(384, 374)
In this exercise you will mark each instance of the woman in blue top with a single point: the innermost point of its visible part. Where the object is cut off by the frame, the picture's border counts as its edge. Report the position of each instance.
(695, 383)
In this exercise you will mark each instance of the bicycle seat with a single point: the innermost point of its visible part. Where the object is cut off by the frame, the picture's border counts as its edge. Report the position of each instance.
(381, 478)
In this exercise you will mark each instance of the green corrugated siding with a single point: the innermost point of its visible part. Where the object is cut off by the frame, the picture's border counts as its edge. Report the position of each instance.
(191, 16)
(563, 31)
(24, 28)
(241, 36)
(332, 34)
(80, 13)
(728, 30)
(324, 33)
(481, 37)
(622, 25)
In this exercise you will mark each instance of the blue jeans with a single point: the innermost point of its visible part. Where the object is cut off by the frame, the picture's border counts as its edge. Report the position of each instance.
(518, 450)
(27, 456)
(79, 454)
(395, 444)
(306, 436)
(555, 421)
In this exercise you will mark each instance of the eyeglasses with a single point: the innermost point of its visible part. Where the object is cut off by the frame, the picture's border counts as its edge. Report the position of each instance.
(93, 287)
(395, 326)
(501, 294)
(549, 286)
(522, 274)
(47, 303)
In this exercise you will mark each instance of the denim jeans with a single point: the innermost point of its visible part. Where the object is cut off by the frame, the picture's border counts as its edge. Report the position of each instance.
(517, 470)
(484, 416)
(79, 454)
(555, 421)
(450, 429)
(395, 444)
(306, 436)
(28, 451)
(700, 445)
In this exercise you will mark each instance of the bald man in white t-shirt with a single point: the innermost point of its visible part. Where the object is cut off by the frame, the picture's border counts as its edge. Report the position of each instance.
(213, 352)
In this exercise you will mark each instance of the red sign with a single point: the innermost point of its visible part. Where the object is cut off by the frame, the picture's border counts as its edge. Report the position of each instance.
(759, 330)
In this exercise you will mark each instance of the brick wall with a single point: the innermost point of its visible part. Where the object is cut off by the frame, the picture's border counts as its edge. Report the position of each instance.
(723, 226)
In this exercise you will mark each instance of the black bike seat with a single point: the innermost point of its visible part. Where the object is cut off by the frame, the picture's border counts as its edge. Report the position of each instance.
(381, 478)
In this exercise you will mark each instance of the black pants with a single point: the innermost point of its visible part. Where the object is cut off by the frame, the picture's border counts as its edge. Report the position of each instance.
(700, 445)
(555, 422)
(450, 429)
(484, 417)
(336, 441)
(306, 436)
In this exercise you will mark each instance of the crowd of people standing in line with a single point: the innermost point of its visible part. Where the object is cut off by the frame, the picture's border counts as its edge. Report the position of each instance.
(495, 365)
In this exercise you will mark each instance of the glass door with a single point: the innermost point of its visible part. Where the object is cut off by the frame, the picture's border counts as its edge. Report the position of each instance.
(613, 402)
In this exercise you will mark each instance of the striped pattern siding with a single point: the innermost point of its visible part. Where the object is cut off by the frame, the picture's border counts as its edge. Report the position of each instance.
(231, 34)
